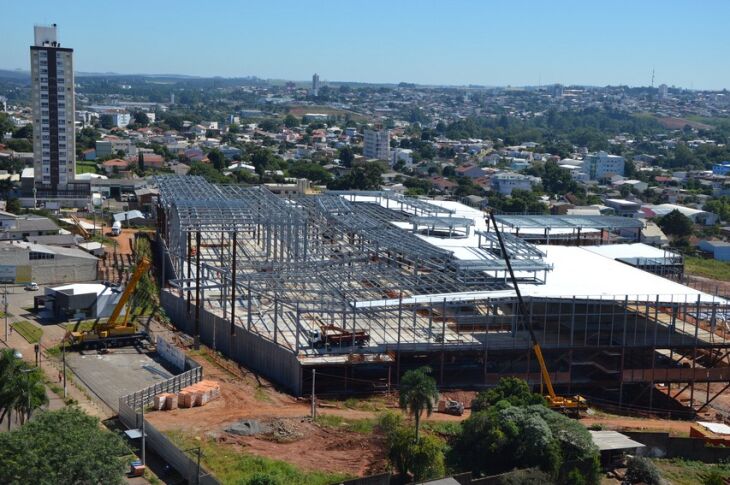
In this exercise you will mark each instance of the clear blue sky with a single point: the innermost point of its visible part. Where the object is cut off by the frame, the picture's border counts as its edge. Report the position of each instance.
(488, 42)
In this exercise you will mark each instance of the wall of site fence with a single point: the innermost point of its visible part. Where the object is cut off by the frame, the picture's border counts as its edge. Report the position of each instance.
(663, 445)
(255, 352)
(157, 441)
(144, 397)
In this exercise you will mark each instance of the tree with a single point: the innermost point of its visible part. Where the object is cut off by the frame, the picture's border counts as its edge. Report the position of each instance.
(21, 387)
(12, 204)
(418, 393)
(62, 447)
(346, 156)
(217, 159)
(141, 119)
(642, 470)
(513, 390)
(106, 121)
(25, 131)
(291, 121)
(363, 176)
(423, 458)
(506, 437)
(676, 224)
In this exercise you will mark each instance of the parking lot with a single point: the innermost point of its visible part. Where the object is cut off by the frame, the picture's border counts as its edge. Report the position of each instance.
(120, 372)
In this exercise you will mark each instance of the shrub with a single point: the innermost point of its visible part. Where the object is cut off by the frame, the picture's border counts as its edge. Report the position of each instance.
(422, 458)
(528, 476)
(511, 389)
(263, 479)
(642, 470)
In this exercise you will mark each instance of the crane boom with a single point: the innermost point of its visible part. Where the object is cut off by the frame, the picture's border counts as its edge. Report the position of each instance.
(142, 267)
(578, 402)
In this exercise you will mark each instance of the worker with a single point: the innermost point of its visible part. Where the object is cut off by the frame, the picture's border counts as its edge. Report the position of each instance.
(60, 376)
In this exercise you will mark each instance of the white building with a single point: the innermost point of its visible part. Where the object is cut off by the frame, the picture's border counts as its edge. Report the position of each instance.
(376, 143)
(403, 154)
(663, 91)
(601, 165)
(52, 93)
(506, 182)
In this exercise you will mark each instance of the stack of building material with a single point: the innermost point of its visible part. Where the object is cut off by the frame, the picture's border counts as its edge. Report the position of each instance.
(159, 402)
(170, 401)
(199, 394)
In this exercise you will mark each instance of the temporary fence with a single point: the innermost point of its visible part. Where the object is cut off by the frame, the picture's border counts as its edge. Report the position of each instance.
(188, 467)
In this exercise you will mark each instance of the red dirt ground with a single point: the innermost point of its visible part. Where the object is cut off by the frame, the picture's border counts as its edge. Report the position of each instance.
(244, 396)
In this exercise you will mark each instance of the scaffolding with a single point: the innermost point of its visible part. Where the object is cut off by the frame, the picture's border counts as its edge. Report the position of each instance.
(281, 270)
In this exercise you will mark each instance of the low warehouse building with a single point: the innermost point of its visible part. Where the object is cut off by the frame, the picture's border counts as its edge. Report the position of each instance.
(22, 262)
(82, 300)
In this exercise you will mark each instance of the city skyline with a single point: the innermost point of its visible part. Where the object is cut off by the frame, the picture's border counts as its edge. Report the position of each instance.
(494, 44)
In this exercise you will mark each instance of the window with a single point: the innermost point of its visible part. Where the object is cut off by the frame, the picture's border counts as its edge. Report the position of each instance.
(34, 255)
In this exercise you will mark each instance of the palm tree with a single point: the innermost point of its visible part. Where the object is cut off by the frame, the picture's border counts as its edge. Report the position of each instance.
(31, 393)
(21, 387)
(9, 371)
(418, 393)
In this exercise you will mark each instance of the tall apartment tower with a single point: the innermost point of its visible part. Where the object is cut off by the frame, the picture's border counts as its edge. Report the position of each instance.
(315, 85)
(54, 140)
(376, 143)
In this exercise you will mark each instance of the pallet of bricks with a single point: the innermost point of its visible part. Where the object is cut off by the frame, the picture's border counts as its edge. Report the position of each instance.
(199, 394)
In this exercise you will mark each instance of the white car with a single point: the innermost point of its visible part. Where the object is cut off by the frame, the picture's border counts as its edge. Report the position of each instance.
(32, 286)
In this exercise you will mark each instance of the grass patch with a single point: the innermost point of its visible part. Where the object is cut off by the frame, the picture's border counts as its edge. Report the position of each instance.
(686, 472)
(28, 331)
(442, 428)
(82, 326)
(231, 466)
(370, 404)
(708, 268)
(85, 168)
(260, 394)
(362, 426)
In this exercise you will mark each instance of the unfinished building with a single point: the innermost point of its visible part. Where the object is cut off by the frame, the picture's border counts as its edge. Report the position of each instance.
(361, 286)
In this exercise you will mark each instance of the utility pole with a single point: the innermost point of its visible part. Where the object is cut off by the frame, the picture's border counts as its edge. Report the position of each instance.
(197, 472)
(5, 307)
(144, 442)
(63, 353)
(314, 401)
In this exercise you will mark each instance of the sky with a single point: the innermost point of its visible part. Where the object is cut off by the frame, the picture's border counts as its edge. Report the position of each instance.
(455, 42)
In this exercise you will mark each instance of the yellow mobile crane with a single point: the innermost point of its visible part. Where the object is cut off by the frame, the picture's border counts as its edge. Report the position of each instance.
(567, 405)
(116, 330)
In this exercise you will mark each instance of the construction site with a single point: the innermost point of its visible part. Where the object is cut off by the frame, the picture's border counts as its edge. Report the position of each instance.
(354, 288)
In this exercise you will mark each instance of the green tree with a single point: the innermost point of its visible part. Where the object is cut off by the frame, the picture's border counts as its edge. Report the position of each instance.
(346, 156)
(291, 121)
(141, 119)
(25, 131)
(363, 176)
(22, 390)
(642, 470)
(62, 447)
(106, 121)
(511, 389)
(422, 458)
(12, 204)
(676, 224)
(217, 159)
(418, 393)
(506, 437)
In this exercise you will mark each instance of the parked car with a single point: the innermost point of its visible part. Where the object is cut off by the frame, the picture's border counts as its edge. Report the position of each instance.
(32, 286)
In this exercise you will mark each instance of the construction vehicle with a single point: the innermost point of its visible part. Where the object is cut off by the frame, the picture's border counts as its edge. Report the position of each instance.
(333, 335)
(80, 230)
(566, 405)
(116, 331)
(450, 406)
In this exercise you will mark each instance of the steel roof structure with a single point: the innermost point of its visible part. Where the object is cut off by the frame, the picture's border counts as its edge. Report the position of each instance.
(568, 222)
